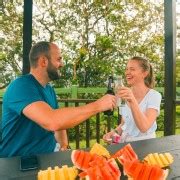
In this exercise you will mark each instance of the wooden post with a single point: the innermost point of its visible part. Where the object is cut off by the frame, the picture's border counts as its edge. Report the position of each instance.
(170, 67)
(27, 34)
(74, 91)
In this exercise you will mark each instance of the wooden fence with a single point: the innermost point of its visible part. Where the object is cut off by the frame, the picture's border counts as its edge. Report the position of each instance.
(74, 92)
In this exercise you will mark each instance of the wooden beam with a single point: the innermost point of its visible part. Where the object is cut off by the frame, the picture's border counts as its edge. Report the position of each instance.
(170, 67)
(27, 34)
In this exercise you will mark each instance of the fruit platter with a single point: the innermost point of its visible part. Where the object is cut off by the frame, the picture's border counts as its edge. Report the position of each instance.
(99, 164)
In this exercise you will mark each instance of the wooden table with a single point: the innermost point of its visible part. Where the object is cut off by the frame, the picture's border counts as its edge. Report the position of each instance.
(10, 167)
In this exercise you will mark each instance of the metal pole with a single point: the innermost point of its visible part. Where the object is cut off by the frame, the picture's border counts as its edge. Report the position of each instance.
(170, 67)
(27, 34)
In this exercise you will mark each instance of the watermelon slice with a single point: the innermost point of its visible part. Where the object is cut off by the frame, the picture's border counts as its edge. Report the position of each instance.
(91, 173)
(86, 160)
(145, 172)
(156, 173)
(105, 173)
(95, 166)
(82, 174)
(129, 167)
(113, 165)
(138, 170)
(81, 159)
(128, 153)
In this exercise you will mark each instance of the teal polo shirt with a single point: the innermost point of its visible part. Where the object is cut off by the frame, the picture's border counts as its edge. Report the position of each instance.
(20, 135)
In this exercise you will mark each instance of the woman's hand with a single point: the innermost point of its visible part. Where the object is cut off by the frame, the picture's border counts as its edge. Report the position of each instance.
(126, 94)
(108, 136)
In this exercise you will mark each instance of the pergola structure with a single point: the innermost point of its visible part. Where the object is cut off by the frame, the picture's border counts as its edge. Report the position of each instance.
(170, 101)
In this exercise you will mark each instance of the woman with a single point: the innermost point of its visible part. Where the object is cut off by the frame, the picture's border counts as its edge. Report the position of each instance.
(142, 103)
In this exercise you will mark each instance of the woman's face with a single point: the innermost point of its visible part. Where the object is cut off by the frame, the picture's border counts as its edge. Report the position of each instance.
(134, 73)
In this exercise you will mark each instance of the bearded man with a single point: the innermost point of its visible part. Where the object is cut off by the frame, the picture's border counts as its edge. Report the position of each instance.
(32, 122)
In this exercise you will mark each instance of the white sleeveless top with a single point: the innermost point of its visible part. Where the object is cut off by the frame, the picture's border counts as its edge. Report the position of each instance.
(151, 100)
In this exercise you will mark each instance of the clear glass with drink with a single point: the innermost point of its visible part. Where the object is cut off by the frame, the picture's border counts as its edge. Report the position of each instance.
(119, 83)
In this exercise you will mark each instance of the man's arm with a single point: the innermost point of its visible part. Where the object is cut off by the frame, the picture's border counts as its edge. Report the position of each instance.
(62, 139)
(64, 118)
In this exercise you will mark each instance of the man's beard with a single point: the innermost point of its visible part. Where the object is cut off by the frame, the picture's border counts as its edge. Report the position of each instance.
(53, 73)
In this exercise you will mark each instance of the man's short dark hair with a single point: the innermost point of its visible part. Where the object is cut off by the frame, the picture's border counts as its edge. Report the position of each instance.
(39, 49)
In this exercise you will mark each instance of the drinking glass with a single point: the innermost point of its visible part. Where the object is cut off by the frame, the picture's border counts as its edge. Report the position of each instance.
(118, 83)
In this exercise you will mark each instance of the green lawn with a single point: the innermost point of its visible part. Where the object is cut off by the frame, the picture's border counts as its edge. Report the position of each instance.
(93, 141)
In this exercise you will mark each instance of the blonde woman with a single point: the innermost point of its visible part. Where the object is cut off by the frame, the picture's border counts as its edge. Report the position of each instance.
(142, 103)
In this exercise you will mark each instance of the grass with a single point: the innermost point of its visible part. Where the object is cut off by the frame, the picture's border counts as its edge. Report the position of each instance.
(93, 141)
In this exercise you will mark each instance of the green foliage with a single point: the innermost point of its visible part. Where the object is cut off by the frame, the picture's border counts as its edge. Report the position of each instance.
(178, 70)
(11, 40)
(97, 37)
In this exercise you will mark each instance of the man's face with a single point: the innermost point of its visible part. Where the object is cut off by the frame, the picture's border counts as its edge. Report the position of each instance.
(54, 63)
(53, 72)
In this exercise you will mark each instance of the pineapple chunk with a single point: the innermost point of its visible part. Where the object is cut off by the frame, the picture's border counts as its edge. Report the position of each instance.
(162, 159)
(64, 173)
(99, 150)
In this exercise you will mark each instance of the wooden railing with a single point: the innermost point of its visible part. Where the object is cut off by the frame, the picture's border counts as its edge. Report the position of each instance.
(78, 102)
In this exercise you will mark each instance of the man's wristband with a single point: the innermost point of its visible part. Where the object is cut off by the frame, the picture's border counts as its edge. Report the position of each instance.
(65, 147)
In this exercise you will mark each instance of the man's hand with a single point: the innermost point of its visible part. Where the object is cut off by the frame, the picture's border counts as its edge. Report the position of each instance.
(106, 102)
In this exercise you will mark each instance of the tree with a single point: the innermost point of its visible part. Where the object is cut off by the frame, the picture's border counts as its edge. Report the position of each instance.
(11, 40)
(97, 37)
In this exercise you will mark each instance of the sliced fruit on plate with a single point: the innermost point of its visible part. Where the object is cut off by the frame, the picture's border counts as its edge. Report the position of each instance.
(145, 172)
(64, 173)
(127, 152)
(114, 167)
(138, 170)
(162, 159)
(61, 174)
(99, 150)
(81, 159)
(86, 159)
(107, 169)
(73, 172)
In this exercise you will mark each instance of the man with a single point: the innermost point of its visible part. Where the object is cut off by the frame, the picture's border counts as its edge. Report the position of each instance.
(31, 117)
